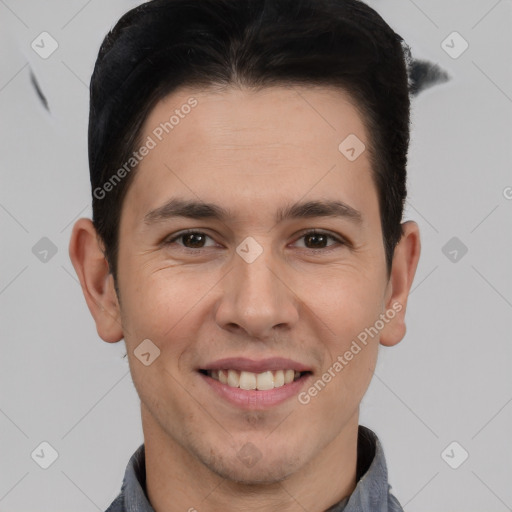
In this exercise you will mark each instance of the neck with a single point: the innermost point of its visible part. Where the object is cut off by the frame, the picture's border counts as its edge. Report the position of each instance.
(177, 481)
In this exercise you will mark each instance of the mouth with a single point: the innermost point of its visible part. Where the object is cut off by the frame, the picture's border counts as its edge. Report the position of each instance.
(252, 384)
(262, 381)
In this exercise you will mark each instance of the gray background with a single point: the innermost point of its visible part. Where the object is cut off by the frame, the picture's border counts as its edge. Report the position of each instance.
(448, 380)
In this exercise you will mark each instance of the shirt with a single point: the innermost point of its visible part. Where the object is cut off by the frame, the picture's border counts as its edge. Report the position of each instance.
(371, 494)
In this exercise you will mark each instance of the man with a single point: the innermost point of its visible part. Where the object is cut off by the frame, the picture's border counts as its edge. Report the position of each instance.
(248, 171)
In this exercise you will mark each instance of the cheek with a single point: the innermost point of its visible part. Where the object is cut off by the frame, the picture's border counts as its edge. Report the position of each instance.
(346, 307)
(158, 303)
(347, 302)
(163, 309)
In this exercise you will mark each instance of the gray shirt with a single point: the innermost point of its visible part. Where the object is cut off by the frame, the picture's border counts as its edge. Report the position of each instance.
(372, 492)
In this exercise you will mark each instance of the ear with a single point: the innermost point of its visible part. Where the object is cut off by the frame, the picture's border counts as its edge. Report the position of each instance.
(86, 253)
(403, 269)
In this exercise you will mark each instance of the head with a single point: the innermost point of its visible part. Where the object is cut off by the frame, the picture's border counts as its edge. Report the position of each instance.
(162, 46)
(243, 108)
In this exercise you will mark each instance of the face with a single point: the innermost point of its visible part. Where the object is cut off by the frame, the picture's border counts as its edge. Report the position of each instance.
(255, 282)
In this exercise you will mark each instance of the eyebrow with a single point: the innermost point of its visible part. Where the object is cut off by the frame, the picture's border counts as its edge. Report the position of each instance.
(192, 209)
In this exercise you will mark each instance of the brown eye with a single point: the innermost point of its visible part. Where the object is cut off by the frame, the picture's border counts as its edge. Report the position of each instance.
(316, 240)
(190, 240)
(319, 240)
(193, 240)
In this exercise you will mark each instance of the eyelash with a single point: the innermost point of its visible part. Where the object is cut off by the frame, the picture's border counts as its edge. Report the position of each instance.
(339, 240)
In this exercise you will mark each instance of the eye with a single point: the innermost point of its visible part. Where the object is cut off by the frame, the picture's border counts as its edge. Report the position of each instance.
(317, 240)
(313, 240)
(191, 239)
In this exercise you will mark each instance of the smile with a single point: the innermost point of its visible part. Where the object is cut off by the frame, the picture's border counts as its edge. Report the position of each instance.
(258, 381)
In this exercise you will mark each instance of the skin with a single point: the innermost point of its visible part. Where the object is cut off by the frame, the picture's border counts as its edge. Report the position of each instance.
(254, 152)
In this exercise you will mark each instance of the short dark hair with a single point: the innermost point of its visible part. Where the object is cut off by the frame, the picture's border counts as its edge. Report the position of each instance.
(163, 45)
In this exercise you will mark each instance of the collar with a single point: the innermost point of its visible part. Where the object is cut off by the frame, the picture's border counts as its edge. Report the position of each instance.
(372, 492)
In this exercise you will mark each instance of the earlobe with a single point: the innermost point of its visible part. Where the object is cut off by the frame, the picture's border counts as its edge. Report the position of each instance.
(405, 262)
(97, 282)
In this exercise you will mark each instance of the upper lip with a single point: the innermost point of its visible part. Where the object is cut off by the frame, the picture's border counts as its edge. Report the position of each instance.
(256, 366)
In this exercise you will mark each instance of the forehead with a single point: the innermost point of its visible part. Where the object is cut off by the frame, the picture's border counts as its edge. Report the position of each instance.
(260, 144)
(230, 115)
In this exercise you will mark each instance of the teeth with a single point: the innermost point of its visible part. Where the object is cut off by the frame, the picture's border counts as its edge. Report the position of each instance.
(223, 376)
(265, 381)
(233, 378)
(278, 378)
(248, 380)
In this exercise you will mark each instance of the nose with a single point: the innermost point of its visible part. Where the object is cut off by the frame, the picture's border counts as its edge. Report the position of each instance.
(257, 297)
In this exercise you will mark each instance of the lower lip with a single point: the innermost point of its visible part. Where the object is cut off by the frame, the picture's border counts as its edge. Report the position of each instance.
(254, 399)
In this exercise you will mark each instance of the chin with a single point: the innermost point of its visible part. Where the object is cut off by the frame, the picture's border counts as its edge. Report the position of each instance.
(264, 474)
(250, 467)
